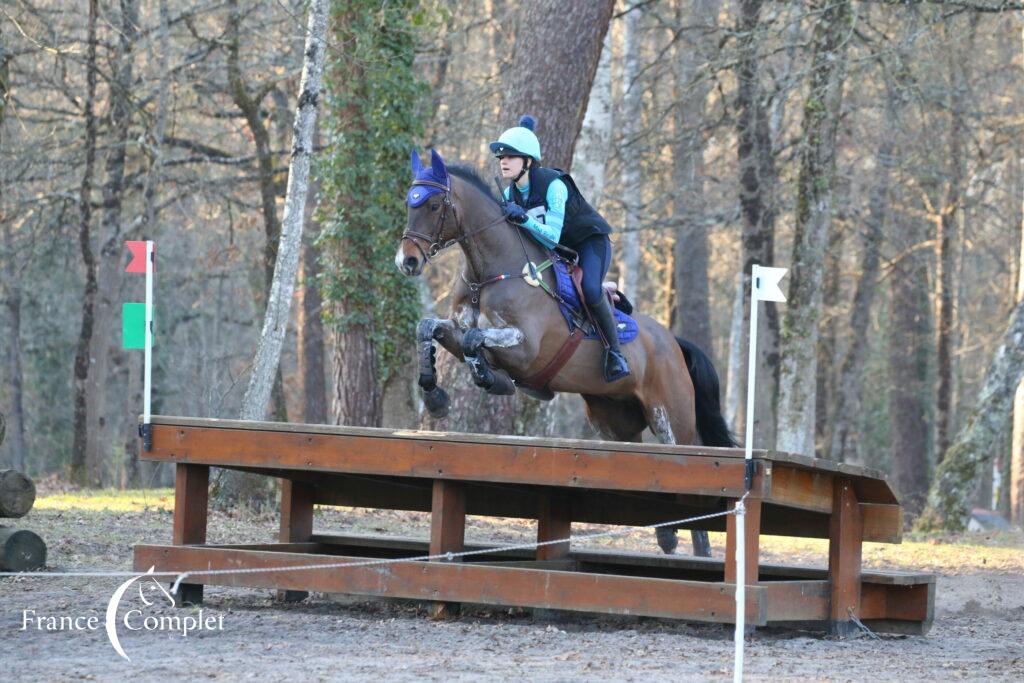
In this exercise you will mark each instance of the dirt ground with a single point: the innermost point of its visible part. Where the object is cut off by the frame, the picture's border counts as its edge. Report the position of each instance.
(978, 632)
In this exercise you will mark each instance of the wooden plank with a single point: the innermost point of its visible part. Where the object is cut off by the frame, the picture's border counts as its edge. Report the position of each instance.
(752, 532)
(514, 464)
(797, 600)
(447, 531)
(554, 521)
(871, 484)
(191, 505)
(800, 488)
(296, 522)
(844, 558)
(608, 559)
(463, 582)
(452, 437)
(882, 523)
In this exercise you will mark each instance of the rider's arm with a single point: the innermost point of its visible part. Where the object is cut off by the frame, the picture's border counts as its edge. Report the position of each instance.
(548, 232)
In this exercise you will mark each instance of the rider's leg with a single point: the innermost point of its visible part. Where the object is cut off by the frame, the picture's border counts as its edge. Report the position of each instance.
(595, 257)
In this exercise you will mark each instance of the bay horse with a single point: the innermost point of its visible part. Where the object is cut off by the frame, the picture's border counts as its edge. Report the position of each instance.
(506, 330)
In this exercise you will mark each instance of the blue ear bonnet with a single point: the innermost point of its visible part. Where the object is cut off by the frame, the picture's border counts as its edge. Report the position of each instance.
(436, 172)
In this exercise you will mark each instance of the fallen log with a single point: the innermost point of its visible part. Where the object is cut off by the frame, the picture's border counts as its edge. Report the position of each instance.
(21, 551)
(17, 494)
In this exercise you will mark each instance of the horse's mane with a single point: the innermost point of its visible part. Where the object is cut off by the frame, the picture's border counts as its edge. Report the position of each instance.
(472, 176)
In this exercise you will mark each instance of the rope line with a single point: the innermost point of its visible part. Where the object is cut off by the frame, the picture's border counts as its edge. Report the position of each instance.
(181, 576)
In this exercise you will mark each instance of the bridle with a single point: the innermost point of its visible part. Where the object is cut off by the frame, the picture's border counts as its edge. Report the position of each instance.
(436, 245)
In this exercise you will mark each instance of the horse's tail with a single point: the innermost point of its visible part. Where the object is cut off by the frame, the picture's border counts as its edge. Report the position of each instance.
(710, 424)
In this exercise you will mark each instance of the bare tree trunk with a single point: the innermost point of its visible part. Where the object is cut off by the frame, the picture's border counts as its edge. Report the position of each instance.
(79, 474)
(909, 344)
(1016, 486)
(12, 339)
(358, 395)
(690, 313)
(312, 373)
(844, 444)
(972, 449)
(594, 146)
(947, 238)
(12, 288)
(554, 69)
(827, 374)
(758, 190)
(275, 323)
(107, 408)
(628, 243)
(799, 339)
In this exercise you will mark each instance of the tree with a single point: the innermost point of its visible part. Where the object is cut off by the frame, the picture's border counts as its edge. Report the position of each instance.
(275, 322)
(815, 184)
(375, 112)
(690, 313)
(972, 449)
(554, 69)
(844, 443)
(758, 189)
(79, 473)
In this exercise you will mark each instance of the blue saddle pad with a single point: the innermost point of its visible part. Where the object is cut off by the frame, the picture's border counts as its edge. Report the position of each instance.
(627, 327)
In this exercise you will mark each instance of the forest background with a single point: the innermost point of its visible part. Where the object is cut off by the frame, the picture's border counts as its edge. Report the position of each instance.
(874, 148)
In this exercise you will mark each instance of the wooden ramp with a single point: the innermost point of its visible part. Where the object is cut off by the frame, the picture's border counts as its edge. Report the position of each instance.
(557, 482)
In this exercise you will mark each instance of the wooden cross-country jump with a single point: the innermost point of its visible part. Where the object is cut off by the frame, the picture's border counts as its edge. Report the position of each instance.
(556, 482)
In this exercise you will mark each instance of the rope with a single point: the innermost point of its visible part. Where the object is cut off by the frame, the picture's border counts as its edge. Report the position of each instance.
(449, 556)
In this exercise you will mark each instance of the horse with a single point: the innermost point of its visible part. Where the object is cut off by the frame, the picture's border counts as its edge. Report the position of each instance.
(507, 329)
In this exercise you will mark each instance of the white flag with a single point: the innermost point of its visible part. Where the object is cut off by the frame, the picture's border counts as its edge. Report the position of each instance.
(766, 283)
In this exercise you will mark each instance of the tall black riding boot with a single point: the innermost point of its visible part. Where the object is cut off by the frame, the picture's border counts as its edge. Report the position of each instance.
(615, 365)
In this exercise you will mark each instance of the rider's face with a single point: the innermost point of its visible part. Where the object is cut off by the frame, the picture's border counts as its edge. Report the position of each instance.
(511, 166)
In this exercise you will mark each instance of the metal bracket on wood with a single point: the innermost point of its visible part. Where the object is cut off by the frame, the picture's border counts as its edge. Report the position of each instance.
(748, 474)
(146, 432)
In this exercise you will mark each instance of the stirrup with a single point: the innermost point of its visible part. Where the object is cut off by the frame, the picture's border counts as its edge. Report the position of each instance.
(615, 366)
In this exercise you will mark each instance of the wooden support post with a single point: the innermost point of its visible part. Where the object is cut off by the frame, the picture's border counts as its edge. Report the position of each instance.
(447, 531)
(554, 521)
(191, 503)
(846, 531)
(296, 523)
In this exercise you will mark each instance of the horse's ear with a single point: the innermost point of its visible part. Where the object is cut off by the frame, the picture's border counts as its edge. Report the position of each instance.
(437, 164)
(417, 165)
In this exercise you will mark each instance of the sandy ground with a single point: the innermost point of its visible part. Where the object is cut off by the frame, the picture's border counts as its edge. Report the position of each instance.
(978, 632)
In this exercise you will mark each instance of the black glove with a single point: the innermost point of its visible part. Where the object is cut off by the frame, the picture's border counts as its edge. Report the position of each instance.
(516, 213)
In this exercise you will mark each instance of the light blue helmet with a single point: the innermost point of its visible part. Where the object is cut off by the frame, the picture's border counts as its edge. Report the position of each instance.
(519, 141)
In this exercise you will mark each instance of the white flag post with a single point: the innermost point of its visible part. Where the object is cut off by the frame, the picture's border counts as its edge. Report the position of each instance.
(147, 373)
(764, 287)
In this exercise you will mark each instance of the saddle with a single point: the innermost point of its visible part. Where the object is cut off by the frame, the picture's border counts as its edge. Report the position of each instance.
(569, 294)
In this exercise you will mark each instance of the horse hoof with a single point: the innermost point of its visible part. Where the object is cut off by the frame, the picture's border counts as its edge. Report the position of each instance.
(667, 539)
(437, 403)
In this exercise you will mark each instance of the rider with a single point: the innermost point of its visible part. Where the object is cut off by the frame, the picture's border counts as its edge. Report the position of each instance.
(547, 203)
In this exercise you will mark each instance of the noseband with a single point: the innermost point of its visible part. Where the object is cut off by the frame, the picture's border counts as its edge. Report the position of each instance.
(435, 246)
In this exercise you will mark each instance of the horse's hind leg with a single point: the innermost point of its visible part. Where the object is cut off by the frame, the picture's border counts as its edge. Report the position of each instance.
(447, 333)
(668, 539)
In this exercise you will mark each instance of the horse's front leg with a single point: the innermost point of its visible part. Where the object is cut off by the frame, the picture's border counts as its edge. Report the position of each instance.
(447, 333)
(474, 340)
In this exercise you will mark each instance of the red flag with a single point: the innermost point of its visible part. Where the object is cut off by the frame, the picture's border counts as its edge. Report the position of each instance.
(138, 262)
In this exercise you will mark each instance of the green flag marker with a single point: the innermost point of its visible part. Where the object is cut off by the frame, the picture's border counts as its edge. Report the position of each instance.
(133, 326)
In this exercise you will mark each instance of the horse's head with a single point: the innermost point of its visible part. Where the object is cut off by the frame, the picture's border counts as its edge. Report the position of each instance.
(432, 223)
